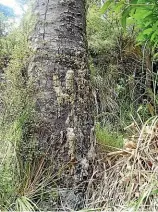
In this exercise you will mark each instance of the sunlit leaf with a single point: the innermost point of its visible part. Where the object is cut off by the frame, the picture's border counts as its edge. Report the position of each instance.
(148, 31)
(125, 14)
(106, 6)
(153, 36)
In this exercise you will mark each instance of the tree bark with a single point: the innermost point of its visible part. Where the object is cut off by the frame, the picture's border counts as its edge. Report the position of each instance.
(63, 96)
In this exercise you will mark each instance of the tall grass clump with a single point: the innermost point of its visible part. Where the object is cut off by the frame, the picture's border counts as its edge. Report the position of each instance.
(16, 111)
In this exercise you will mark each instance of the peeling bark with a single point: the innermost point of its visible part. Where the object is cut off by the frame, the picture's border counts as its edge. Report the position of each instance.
(62, 92)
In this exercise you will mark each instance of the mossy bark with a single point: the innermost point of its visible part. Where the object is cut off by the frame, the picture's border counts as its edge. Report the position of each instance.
(62, 92)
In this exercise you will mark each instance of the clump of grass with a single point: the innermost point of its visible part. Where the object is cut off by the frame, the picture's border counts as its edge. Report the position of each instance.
(129, 179)
(108, 139)
(25, 204)
(16, 110)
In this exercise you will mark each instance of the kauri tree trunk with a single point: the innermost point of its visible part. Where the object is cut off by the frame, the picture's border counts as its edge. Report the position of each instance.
(63, 96)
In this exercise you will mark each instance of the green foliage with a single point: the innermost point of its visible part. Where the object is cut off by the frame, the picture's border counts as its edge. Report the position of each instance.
(15, 92)
(113, 58)
(108, 139)
(140, 13)
(101, 33)
(102, 39)
(16, 109)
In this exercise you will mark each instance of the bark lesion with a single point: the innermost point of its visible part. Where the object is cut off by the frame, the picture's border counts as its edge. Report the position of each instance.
(71, 140)
(69, 80)
(60, 95)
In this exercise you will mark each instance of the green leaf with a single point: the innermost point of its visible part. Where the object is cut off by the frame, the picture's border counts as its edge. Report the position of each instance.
(148, 23)
(154, 35)
(133, 1)
(140, 37)
(125, 15)
(119, 6)
(148, 31)
(140, 13)
(105, 6)
(147, 14)
(155, 26)
(154, 191)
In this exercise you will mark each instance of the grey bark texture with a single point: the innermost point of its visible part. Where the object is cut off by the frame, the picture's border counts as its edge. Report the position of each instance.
(62, 92)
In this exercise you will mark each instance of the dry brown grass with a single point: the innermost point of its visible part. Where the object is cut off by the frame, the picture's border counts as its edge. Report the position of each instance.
(129, 177)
